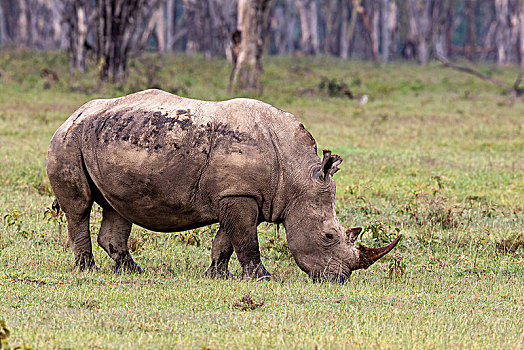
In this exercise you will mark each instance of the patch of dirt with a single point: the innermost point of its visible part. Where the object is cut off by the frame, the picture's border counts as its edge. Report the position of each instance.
(246, 303)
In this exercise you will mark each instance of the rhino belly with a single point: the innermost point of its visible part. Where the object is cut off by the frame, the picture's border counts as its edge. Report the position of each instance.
(154, 189)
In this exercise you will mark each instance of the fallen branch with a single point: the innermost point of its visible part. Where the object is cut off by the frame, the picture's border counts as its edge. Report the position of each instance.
(514, 90)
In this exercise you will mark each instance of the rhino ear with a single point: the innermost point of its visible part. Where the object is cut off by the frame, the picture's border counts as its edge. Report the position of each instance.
(330, 164)
(353, 233)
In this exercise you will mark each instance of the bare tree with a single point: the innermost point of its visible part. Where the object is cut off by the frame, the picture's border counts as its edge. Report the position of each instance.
(170, 24)
(23, 35)
(3, 26)
(117, 24)
(503, 30)
(347, 30)
(209, 26)
(282, 27)
(253, 20)
(330, 9)
(155, 27)
(521, 31)
(389, 27)
(76, 19)
(370, 17)
(307, 10)
(423, 22)
(471, 41)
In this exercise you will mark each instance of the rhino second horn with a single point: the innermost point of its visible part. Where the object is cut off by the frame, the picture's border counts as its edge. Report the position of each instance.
(369, 255)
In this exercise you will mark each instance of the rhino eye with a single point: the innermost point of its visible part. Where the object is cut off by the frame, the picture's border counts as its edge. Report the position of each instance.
(329, 235)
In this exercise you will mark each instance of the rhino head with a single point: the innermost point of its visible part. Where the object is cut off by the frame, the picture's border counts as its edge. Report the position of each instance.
(321, 246)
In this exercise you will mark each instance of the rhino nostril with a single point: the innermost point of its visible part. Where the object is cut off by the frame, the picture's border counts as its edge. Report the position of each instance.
(329, 235)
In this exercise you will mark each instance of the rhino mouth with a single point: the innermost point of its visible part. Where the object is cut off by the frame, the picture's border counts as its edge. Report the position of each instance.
(335, 271)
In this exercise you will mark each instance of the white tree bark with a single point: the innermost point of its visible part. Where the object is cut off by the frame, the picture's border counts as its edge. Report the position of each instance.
(521, 31)
(344, 38)
(283, 24)
(375, 32)
(389, 26)
(420, 27)
(23, 36)
(3, 27)
(170, 24)
(503, 31)
(330, 8)
(385, 31)
(307, 10)
(82, 33)
(55, 18)
(253, 18)
(156, 24)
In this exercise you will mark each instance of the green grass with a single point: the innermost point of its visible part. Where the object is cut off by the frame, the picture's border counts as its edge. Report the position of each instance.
(435, 155)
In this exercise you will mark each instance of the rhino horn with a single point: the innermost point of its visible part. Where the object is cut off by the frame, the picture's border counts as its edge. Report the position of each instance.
(369, 255)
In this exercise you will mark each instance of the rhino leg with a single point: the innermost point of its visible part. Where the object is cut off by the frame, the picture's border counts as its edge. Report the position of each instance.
(80, 238)
(238, 216)
(221, 252)
(69, 179)
(113, 236)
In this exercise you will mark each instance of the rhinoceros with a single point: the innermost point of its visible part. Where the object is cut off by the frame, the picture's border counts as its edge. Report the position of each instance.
(169, 163)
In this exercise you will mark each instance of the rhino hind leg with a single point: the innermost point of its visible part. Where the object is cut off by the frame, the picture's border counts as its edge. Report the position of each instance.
(80, 238)
(70, 183)
(238, 216)
(221, 252)
(113, 236)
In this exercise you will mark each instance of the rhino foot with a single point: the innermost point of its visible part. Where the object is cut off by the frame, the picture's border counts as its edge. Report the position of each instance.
(215, 272)
(257, 273)
(127, 265)
(85, 262)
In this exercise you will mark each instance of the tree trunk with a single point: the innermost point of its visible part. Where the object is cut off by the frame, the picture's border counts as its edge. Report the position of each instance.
(375, 33)
(54, 8)
(222, 15)
(282, 27)
(329, 10)
(253, 16)
(420, 27)
(3, 26)
(117, 23)
(291, 20)
(82, 33)
(155, 26)
(503, 31)
(470, 48)
(449, 28)
(74, 15)
(346, 27)
(385, 31)
(23, 36)
(307, 10)
(392, 29)
(371, 25)
(348, 36)
(521, 32)
(170, 24)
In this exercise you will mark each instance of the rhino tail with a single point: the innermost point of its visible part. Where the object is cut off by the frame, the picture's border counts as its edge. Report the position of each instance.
(56, 206)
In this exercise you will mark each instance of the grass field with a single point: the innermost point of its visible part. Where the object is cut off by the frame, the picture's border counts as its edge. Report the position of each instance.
(434, 154)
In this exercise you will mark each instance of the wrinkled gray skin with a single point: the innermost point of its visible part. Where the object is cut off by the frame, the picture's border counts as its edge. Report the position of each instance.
(169, 163)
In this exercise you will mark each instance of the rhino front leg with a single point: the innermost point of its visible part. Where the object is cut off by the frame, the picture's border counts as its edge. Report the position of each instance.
(113, 237)
(238, 217)
(221, 252)
(80, 238)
